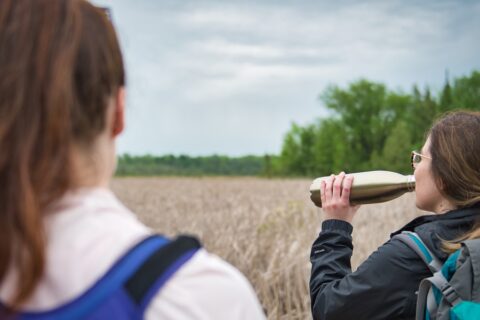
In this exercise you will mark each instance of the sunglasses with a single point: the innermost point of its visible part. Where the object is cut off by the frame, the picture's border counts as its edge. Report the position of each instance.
(416, 157)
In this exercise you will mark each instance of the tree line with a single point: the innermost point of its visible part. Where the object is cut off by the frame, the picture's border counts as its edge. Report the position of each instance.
(371, 127)
(183, 165)
(368, 127)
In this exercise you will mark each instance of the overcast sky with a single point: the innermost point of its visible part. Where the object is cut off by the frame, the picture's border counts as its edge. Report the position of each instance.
(229, 77)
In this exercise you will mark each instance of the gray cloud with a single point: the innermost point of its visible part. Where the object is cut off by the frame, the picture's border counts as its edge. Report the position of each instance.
(230, 77)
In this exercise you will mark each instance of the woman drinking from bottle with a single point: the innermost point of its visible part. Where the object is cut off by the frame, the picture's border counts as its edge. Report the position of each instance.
(447, 173)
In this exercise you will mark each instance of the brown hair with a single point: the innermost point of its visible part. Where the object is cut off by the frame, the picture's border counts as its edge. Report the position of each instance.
(455, 150)
(60, 62)
(453, 245)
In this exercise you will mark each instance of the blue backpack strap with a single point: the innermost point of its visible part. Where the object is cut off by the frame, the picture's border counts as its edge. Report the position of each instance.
(435, 288)
(414, 241)
(426, 302)
(82, 306)
(125, 290)
(156, 270)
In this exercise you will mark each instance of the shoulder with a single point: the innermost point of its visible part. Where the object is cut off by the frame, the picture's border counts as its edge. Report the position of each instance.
(206, 288)
(395, 255)
(435, 228)
(87, 232)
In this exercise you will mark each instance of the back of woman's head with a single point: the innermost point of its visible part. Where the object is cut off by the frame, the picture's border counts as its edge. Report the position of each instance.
(60, 62)
(455, 150)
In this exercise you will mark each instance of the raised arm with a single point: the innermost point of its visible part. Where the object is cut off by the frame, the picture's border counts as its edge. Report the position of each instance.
(383, 287)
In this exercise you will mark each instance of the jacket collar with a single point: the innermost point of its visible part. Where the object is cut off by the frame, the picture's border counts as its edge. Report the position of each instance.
(472, 212)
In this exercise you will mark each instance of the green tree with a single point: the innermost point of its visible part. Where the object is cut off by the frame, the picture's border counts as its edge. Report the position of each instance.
(395, 155)
(330, 148)
(446, 98)
(297, 155)
(466, 92)
(368, 112)
(421, 113)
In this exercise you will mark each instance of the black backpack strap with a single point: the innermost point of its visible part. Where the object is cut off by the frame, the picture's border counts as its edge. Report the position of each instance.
(158, 268)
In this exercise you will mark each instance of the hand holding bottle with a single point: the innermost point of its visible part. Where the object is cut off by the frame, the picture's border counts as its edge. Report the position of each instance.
(369, 187)
(335, 195)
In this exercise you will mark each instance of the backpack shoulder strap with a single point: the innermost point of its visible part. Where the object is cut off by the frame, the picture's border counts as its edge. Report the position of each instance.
(414, 241)
(136, 276)
(440, 290)
(158, 268)
(435, 288)
(92, 301)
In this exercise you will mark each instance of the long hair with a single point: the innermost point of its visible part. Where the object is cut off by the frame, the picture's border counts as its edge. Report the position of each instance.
(453, 245)
(60, 62)
(455, 150)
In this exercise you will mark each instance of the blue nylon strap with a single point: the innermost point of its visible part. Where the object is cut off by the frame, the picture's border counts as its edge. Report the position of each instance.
(104, 288)
(422, 247)
(412, 240)
(450, 266)
(427, 315)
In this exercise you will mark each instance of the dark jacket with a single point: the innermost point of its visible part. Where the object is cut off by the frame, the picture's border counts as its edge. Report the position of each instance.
(385, 285)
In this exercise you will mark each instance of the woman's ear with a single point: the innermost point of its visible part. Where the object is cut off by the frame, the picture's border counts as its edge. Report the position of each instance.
(119, 113)
(440, 186)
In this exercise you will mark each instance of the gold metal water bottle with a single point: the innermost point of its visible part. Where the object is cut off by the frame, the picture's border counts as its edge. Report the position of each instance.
(370, 187)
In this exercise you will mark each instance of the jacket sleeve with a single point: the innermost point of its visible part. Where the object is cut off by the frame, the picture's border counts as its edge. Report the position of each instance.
(383, 287)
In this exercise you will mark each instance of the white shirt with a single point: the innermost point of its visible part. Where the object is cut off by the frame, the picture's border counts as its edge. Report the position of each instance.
(89, 229)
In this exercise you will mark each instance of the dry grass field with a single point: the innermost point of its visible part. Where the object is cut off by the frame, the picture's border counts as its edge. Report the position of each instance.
(263, 227)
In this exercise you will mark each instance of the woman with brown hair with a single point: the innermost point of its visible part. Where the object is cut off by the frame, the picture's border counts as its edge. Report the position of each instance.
(447, 174)
(68, 248)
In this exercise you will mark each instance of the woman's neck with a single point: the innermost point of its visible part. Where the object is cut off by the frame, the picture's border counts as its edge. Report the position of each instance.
(444, 206)
(93, 165)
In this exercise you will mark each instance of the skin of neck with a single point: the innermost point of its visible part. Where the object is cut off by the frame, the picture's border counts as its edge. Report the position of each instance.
(94, 164)
(444, 206)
